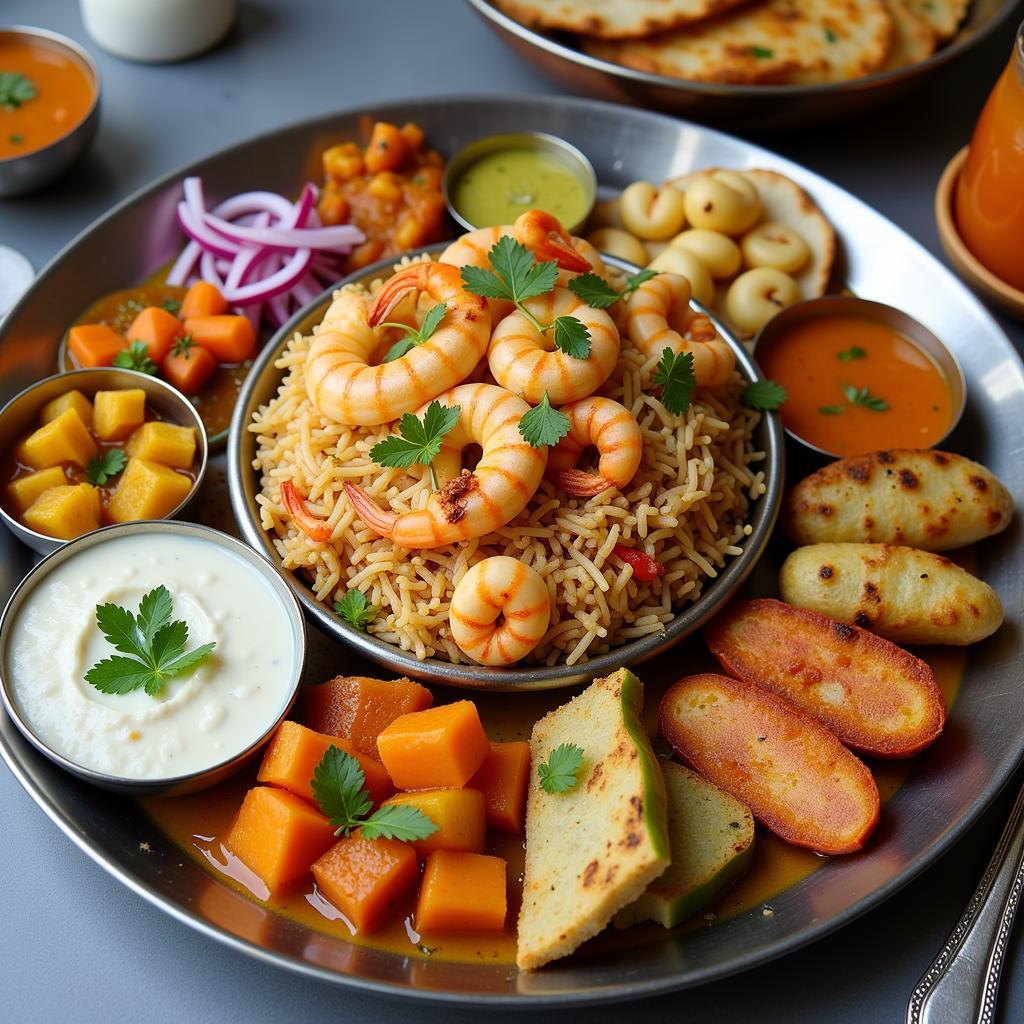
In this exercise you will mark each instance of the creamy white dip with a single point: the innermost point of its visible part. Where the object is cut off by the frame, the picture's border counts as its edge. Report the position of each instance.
(203, 717)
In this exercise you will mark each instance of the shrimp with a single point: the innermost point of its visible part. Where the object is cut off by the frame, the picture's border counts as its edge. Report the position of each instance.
(658, 316)
(472, 503)
(346, 388)
(499, 587)
(611, 429)
(527, 362)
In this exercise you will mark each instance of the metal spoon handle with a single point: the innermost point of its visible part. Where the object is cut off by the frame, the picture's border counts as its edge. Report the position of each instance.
(962, 983)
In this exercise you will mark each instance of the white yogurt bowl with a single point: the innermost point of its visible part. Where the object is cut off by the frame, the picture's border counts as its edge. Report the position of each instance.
(207, 723)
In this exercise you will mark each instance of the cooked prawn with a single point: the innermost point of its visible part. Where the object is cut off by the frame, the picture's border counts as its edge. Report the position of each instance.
(613, 431)
(347, 389)
(526, 361)
(469, 504)
(658, 316)
(505, 588)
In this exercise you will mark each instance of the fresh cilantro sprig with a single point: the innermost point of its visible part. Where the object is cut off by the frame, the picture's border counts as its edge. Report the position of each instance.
(420, 440)
(156, 643)
(108, 464)
(136, 357)
(764, 394)
(517, 276)
(183, 346)
(15, 89)
(560, 772)
(863, 397)
(676, 379)
(543, 425)
(415, 335)
(171, 305)
(595, 291)
(339, 787)
(853, 352)
(355, 609)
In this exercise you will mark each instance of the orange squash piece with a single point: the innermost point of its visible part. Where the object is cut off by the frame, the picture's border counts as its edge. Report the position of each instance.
(278, 836)
(231, 339)
(94, 344)
(503, 778)
(203, 299)
(440, 748)
(366, 878)
(357, 708)
(295, 751)
(459, 814)
(462, 892)
(156, 329)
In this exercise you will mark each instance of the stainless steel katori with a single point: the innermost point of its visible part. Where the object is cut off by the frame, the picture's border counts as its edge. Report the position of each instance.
(950, 784)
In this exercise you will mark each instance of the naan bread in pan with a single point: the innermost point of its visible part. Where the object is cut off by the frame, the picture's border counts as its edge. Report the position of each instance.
(612, 19)
(777, 41)
(944, 16)
(913, 38)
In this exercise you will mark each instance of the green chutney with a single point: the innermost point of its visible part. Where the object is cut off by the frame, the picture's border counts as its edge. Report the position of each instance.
(500, 186)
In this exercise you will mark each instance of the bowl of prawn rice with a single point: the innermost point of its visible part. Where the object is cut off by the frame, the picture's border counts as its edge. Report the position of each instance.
(480, 466)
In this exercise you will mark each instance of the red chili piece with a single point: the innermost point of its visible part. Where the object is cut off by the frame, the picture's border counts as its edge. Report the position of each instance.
(645, 567)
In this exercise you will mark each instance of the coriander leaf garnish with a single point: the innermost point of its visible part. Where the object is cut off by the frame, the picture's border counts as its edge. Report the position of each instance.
(420, 441)
(832, 410)
(136, 357)
(108, 464)
(676, 379)
(15, 89)
(517, 276)
(764, 394)
(339, 788)
(415, 335)
(543, 425)
(171, 305)
(853, 352)
(863, 397)
(830, 36)
(760, 53)
(595, 291)
(15, 138)
(560, 772)
(355, 610)
(157, 644)
(183, 345)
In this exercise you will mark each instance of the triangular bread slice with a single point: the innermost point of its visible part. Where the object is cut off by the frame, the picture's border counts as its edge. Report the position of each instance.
(594, 849)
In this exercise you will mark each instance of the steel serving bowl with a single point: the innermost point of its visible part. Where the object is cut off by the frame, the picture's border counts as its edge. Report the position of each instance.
(170, 785)
(243, 482)
(879, 312)
(30, 171)
(760, 108)
(18, 417)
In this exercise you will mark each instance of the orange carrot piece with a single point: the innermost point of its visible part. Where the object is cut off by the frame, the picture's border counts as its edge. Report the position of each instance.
(203, 299)
(440, 748)
(462, 892)
(357, 708)
(156, 329)
(231, 339)
(304, 520)
(295, 751)
(793, 774)
(503, 778)
(278, 836)
(94, 344)
(459, 814)
(366, 878)
(875, 696)
(188, 368)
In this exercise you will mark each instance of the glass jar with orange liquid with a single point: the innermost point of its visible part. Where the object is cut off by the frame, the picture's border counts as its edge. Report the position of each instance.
(990, 194)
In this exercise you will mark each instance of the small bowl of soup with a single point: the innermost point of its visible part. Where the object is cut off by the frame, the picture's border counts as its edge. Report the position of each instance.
(49, 107)
(493, 180)
(94, 448)
(860, 376)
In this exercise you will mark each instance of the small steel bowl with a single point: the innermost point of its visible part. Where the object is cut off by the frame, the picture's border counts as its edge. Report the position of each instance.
(563, 151)
(243, 484)
(171, 785)
(904, 323)
(32, 170)
(18, 417)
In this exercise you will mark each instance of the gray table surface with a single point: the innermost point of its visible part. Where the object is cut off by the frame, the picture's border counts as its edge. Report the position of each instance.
(75, 945)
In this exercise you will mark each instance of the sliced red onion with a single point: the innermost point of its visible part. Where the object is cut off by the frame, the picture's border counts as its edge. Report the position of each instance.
(199, 231)
(344, 236)
(184, 265)
(279, 309)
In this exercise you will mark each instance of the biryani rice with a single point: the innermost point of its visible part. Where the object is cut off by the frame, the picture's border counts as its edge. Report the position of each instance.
(687, 506)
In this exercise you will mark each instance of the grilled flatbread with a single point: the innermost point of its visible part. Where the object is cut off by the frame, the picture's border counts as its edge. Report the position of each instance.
(944, 16)
(913, 38)
(613, 19)
(779, 41)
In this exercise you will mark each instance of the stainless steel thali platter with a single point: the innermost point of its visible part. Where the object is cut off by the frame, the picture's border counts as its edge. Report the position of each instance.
(948, 787)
